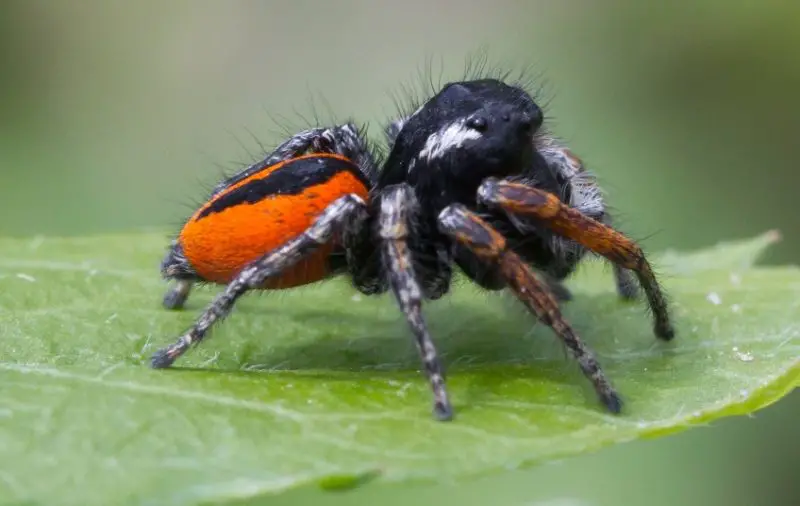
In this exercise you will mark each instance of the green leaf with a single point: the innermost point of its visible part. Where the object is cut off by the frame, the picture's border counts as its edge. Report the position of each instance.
(321, 386)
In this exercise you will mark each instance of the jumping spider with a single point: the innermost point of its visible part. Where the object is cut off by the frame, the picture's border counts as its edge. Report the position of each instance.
(472, 179)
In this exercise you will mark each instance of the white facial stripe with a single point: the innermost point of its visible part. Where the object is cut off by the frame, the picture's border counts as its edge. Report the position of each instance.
(450, 137)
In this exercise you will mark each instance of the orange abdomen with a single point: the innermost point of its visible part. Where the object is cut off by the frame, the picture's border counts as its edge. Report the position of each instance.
(263, 211)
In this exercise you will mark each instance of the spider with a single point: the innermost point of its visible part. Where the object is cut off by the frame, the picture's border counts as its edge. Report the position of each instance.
(472, 179)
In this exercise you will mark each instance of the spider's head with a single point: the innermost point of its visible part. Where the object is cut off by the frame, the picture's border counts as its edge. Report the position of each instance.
(467, 132)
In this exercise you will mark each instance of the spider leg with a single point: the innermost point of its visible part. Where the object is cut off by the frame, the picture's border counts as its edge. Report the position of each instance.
(520, 199)
(624, 279)
(254, 275)
(295, 146)
(489, 277)
(626, 283)
(397, 204)
(471, 231)
(343, 139)
(175, 266)
(585, 196)
(559, 291)
(175, 298)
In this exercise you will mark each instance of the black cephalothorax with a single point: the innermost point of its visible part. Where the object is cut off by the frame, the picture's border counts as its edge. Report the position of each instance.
(471, 179)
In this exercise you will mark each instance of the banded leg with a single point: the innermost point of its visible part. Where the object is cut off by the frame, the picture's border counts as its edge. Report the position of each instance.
(257, 272)
(397, 203)
(175, 298)
(468, 229)
(345, 140)
(176, 267)
(523, 200)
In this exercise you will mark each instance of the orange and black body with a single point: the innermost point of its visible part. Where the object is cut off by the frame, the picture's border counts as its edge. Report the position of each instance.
(258, 213)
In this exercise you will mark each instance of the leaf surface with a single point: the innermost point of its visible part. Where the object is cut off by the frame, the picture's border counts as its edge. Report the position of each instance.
(319, 385)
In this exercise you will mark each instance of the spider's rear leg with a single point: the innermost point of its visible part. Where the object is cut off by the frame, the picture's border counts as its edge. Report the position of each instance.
(345, 140)
(469, 230)
(253, 276)
(625, 280)
(523, 200)
(557, 288)
(175, 298)
(176, 266)
(626, 283)
(397, 204)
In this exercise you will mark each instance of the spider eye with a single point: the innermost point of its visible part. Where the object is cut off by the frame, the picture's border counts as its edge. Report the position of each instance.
(478, 123)
(519, 122)
(524, 123)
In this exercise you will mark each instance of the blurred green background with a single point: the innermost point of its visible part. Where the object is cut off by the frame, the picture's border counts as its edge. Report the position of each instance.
(117, 115)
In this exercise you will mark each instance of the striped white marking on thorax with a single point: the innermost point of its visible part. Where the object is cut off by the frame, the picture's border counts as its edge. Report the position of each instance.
(450, 137)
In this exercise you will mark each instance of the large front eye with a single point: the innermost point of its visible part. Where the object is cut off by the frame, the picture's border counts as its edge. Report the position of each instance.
(520, 121)
(478, 122)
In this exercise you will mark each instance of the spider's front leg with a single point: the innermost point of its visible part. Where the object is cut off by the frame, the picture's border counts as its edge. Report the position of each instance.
(254, 275)
(471, 231)
(343, 139)
(522, 200)
(398, 204)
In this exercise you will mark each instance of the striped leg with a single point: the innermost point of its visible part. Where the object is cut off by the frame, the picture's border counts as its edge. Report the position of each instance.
(256, 273)
(397, 204)
(176, 296)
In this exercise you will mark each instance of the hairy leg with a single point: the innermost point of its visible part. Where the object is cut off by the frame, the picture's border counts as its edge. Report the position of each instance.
(523, 200)
(583, 194)
(345, 140)
(471, 231)
(175, 298)
(626, 283)
(256, 273)
(398, 203)
(176, 267)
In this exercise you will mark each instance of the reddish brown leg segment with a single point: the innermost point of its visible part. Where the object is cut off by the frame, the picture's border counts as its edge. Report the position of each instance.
(477, 235)
(523, 200)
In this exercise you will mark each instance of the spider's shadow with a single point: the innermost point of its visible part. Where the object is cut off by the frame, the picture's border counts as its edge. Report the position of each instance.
(485, 348)
(491, 336)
